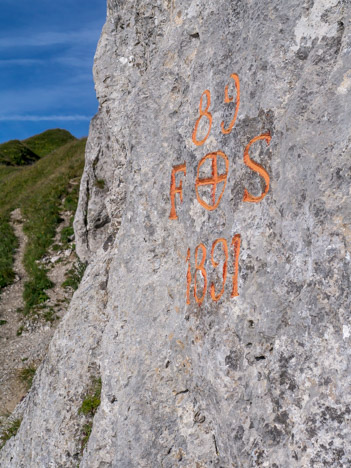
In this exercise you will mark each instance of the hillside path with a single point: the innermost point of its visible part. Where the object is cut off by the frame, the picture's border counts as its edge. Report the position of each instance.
(17, 351)
(23, 342)
(11, 345)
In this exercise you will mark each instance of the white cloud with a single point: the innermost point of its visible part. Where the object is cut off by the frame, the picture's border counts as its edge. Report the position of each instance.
(20, 61)
(71, 59)
(50, 38)
(68, 98)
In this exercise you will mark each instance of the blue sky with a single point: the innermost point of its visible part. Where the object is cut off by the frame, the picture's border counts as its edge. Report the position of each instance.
(46, 56)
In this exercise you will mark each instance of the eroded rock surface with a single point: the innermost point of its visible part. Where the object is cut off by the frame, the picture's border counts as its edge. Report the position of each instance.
(259, 379)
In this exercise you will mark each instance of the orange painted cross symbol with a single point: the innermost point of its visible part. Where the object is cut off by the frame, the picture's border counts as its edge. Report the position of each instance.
(214, 180)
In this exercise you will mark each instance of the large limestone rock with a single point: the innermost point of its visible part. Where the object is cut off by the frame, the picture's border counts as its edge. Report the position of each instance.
(259, 379)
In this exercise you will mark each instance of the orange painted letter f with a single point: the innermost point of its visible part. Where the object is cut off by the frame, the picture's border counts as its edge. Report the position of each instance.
(176, 189)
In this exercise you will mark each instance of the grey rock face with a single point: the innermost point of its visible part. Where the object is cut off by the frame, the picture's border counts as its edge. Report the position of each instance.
(258, 379)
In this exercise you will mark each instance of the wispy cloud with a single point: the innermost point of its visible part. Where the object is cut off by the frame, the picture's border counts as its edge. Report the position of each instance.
(70, 59)
(40, 118)
(67, 98)
(50, 38)
(21, 61)
(46, 59)
(74, 59)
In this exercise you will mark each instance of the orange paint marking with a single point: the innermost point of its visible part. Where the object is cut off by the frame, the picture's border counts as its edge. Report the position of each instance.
(236, 241)
(228, 99)
(174, 189)
(214, 180)
(215, 265)
(203, 113)
(254, 166)
(200, 267)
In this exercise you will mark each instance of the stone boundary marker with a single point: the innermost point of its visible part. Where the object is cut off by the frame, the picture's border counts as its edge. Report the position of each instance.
(216, 304)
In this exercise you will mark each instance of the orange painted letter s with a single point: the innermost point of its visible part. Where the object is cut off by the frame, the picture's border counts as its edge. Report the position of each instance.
(254, 166)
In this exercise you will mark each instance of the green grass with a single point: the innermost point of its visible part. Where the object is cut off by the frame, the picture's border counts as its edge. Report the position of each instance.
(48, 141)
(49, 314)
(38, 190)
(87, 428)
(10, 431)
(92, 400)
(26, 375)
(66, 234)
(89, 407)
(100, 183)
(26, 152)
(8, 245)
(71, 200)
(15, 153)
(74, 276)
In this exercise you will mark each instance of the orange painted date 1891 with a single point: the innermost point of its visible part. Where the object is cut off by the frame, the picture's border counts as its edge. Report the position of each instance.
(200, 270)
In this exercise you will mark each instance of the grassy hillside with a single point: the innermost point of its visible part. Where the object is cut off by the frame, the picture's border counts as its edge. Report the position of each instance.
(48, 141)
(26, 152)
(15, 153)
(38, 190)
(8, 245)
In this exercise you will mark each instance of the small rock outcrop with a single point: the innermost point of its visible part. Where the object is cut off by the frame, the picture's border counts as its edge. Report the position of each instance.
(215, 215)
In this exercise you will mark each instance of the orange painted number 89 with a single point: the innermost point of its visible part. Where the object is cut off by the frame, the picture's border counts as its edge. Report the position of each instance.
(204, 112)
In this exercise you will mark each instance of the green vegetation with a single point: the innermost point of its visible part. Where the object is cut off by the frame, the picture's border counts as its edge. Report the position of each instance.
(10, 431)
(15, 153)
(87, 428)
(48, 141)
(100, 183)
(89, 407)
(8, 245)
(26, 375)
(26, 152)
(66, 235)
(74, 276)
(71, 200)
(38, 190)
(49, 315)
(92, 400)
